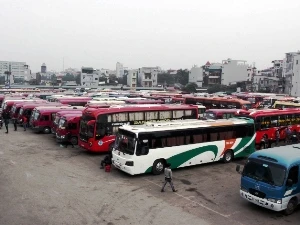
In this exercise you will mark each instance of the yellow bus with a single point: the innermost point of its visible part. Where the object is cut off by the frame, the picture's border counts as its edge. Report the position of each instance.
(284, 105)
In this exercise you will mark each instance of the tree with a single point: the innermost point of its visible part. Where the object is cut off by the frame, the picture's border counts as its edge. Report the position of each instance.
(165, 78)
(78, 79)
(182, 77)
(68, 77)
(190, 88)
(2, 80)
(112, 79)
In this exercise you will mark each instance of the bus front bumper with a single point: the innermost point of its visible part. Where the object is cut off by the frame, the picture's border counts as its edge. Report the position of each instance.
(124, 168)
(262, 202)
(37, 129)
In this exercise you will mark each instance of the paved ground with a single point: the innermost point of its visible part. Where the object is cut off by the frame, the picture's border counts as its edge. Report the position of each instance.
(41, 183)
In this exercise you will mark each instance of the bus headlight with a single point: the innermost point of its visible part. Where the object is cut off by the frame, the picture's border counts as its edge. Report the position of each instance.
(278, 201)
(129, 163)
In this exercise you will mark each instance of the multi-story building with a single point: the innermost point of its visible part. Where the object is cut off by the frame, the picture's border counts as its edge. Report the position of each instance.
(289, 74)
(132, 78)
(17, 70)
(43, 68)
(196, 75)
(277, 68)
(119, 70)
(148, 76)
(295, 91)
(89, 78)
(234, 71)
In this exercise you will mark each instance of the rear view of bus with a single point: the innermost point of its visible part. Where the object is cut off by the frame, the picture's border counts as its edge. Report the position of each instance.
(270, 178)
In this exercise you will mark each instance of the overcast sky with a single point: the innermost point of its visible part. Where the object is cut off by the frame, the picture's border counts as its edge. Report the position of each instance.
(167, 33)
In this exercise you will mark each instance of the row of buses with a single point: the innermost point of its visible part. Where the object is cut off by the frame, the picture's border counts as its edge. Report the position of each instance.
(144, 137)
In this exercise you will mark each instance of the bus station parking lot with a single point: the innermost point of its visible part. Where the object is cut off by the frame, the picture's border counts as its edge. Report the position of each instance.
(42, 183)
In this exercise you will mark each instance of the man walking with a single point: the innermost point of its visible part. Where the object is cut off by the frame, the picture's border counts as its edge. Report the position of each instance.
(25, 121)
(15, 124)
(6, 120)
(168, 178)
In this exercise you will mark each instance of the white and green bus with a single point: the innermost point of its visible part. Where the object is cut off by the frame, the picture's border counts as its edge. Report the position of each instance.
(149, 147)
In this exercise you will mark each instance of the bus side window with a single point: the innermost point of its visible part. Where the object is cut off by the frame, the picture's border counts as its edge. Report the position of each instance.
(294, 174)
(274, 121)
(214, 135)
(46, 117)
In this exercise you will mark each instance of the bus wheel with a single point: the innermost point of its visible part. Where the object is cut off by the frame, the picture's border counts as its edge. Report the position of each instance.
(291, 206)
(47, 130)
(74, 140)
(228, 156)
(158, 166)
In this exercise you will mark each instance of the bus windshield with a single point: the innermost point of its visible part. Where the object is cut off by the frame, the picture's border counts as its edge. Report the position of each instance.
(21, 111)
(86, 131)
(210, 116)
(36, 115)
(62, 123)
(265, 171)
(125, 142)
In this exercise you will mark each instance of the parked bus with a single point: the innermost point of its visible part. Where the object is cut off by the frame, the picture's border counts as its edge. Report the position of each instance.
(271, 178)
(215, 114)
(268, 121)
(42, 118)
(8, 104)
(27, 108)
(98, 126)
(147, 101)
(218, 103)
(59, 114)
(285, 104)
(14, 112)
(68, 128)
(148, 148)
(2, 97)
(110, 102)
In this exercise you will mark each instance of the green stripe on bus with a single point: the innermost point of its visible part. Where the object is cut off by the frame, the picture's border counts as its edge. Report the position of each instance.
(181, 158)
(244, 141)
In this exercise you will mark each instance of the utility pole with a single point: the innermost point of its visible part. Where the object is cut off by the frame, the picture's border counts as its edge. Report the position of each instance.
(63, 64)
(8, 73)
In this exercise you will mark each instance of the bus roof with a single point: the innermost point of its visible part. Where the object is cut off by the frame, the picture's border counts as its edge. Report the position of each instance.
(284, 155)
(134, 108)
(184, 124)
(50, 108)
(225, 110)
(71, 116)
(272, 111)
(224, 99)
(287, 103)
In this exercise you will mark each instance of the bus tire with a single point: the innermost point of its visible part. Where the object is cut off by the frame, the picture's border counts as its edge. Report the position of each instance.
(46, 130)
(158, 166)
(228, 156)
(74, 140)
(291, 206)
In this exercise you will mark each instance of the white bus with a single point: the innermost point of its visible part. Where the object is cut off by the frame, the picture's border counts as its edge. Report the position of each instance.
(149, 147)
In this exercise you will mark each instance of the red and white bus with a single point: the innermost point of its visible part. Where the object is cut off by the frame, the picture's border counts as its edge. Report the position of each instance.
(146, 101)
(268, 121)
(68, 128)
(98, 126)
(74, 101)
(42, 117)
(27, 108)
(218, 103)
(14, 112)
(60, 114)
(215, 114)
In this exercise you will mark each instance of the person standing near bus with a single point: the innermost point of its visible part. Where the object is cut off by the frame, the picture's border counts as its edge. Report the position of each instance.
(25, 121)
(277, 136)
(287, 135)
(15, 124)
(6, 118)
(168, 178)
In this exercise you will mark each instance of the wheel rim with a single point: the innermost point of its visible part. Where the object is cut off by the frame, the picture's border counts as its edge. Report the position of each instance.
(46, 130)
(74, 141)
(159, 166)
(228, 156)
(290, 207)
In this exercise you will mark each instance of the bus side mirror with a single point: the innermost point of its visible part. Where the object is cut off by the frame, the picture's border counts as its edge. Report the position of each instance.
(289, 183)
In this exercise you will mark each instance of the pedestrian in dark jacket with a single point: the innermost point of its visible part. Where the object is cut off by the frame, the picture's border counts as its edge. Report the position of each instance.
(168, 178)
(68, 141)
(6, 118)
(106, 160)
(15, 124)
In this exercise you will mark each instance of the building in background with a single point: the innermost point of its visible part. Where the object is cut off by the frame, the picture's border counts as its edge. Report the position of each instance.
(196, 75)
(148, 76)
(89, 77)
(289, 77)
(119, 70)
(234, 71)
(295, 90)
(17, 71)
(132, 77)
(43, 68)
